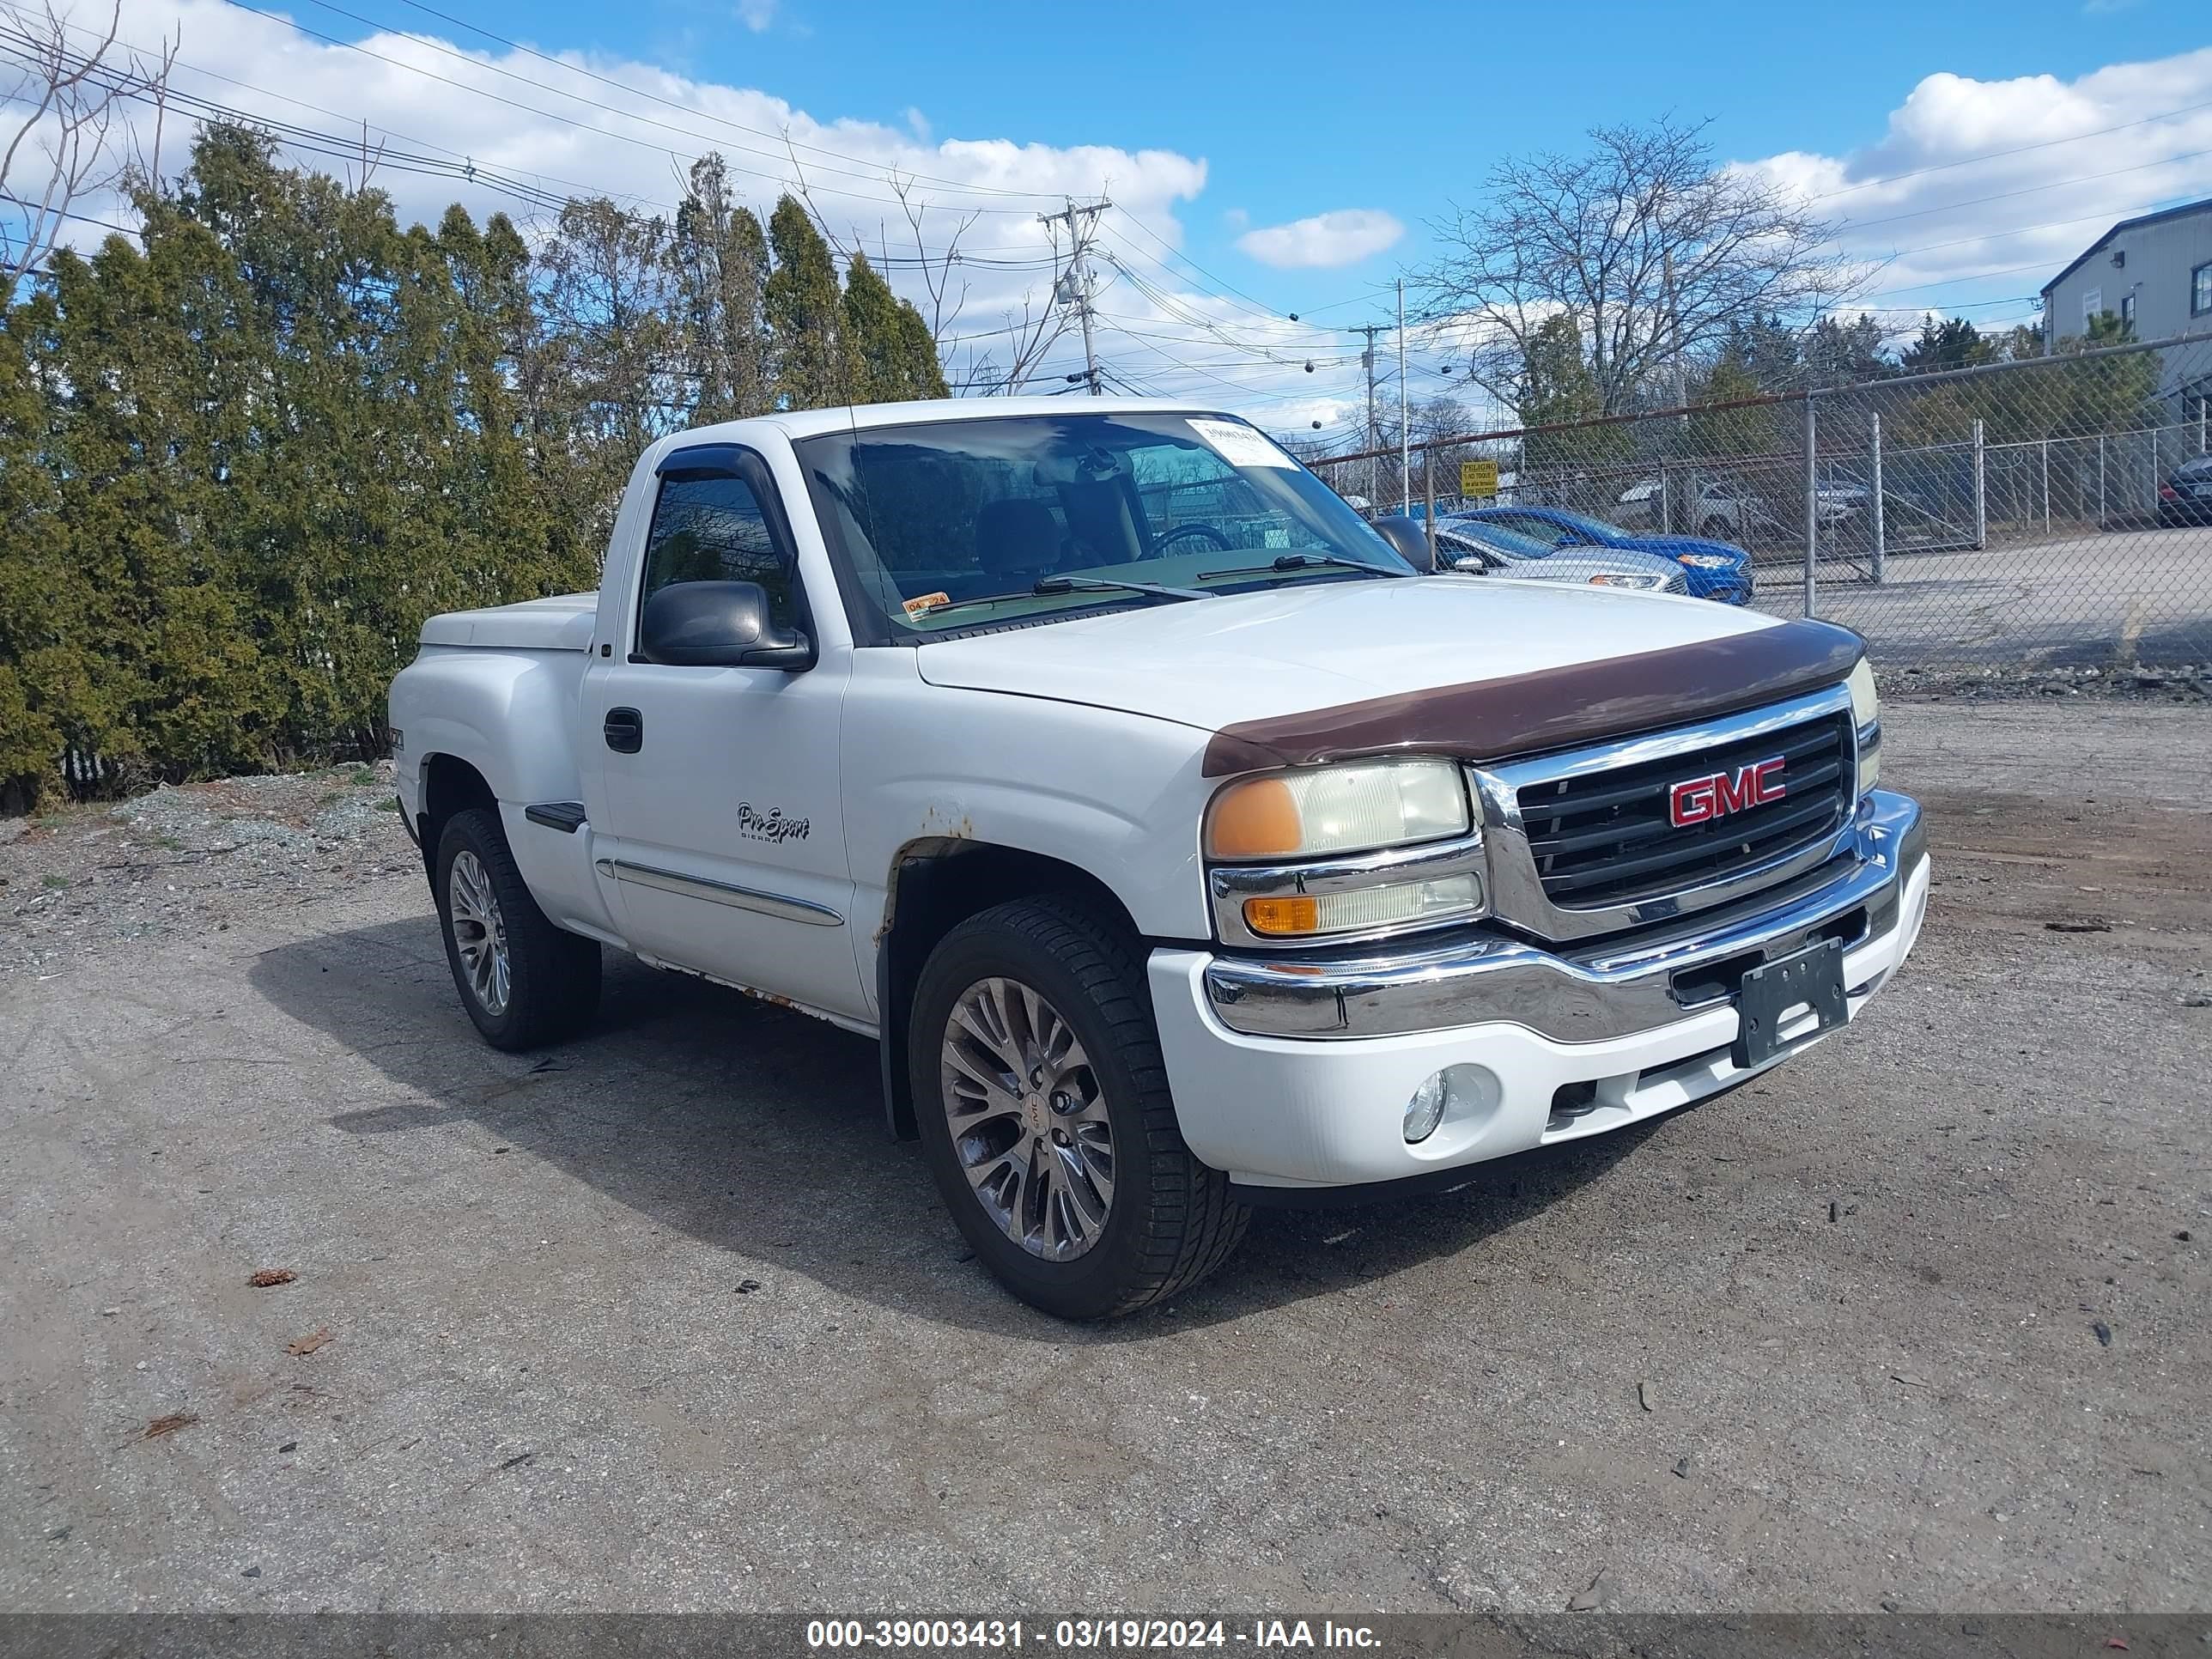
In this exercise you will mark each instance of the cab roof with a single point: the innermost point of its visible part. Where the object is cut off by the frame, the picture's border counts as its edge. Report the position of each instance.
(846, 417)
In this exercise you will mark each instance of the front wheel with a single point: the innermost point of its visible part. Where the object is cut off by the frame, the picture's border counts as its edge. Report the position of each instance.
(523, 981)
(1046, 1117)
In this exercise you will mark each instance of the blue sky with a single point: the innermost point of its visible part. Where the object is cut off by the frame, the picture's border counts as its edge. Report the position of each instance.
(1266, 159)
(1293, 118)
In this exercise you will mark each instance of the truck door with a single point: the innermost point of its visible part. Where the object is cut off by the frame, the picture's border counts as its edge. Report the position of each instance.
(715, 816)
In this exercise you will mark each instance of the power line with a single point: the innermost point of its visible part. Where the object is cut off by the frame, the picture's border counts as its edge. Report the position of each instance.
(1256, 307)
(1953, 281)
(346, 146)
(2017, 149)
(872, 174)
(735, 126)
(2032, 190)
(256, 118)
(2023, 230)
(531, 109)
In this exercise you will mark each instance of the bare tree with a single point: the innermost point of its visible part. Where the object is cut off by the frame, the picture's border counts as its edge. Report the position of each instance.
(1649, 248)
(934, 266)
(1027, 336)
(946, 291)
(58, 144)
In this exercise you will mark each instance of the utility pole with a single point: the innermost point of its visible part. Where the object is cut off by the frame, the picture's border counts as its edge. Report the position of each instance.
(1074, 286)
(1675, 328)
(1405, 417)
(1368, 331)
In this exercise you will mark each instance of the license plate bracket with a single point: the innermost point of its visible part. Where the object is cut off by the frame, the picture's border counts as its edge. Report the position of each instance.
(1813, 977)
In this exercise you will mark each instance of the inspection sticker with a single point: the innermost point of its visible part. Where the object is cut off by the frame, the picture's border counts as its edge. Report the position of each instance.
(1239, 445)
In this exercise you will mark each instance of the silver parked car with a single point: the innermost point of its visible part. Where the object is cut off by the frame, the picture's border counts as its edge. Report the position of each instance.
(1473, 546)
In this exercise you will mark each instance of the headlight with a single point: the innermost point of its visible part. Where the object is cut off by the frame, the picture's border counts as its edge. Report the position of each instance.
(1645, 581)
(1355, 808)
(1359, 850)
(1706, 561)
(1866, 715)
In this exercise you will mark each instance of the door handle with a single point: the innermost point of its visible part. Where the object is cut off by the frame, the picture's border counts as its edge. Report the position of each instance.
(625, 730)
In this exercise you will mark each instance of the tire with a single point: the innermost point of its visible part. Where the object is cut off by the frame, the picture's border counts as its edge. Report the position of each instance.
(551, 981)
(1169, 1220)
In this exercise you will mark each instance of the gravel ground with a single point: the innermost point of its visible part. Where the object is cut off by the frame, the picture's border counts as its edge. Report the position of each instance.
(660, 1320)
(180, 861)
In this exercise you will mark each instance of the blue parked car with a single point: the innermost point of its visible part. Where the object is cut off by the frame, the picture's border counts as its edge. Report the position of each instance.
(1715, 570)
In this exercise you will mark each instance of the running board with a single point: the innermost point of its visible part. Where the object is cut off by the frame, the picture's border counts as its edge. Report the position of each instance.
(566, 816)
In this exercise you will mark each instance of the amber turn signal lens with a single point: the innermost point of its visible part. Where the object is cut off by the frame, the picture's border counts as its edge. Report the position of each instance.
(1280, 918)
(1255, 820)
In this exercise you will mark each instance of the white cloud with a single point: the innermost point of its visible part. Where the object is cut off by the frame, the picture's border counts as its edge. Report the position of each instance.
(456, 125)
(1236, 219)
(1342, 236)
(756, 14)
(1162, 326)
(1922, 198)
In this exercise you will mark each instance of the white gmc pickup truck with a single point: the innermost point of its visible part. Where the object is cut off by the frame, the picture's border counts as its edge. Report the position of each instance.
(1184, 847)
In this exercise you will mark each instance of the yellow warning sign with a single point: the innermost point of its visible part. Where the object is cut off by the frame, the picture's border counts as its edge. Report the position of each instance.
(1478, 477)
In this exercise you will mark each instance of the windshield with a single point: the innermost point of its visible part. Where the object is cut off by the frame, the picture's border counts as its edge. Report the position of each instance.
(956, 524)
(1511, 544)
(1594, 530)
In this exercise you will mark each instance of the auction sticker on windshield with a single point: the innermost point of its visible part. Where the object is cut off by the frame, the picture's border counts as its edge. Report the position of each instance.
(1240, 446)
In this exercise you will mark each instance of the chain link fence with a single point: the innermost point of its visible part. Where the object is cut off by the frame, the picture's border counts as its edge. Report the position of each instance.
(2055, 512)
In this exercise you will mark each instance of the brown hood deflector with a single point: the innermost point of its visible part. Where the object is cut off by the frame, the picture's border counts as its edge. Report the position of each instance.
(1556, 708)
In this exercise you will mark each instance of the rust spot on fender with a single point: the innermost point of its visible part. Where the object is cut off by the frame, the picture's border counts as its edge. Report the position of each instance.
(934, 824)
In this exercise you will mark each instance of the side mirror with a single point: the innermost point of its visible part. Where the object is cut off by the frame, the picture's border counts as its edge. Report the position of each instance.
(719, 625)
(1407, 537)
(1469, 565)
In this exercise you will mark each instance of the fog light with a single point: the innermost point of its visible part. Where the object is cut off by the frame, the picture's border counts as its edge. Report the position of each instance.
(1425, 1109)
(1460, 1092)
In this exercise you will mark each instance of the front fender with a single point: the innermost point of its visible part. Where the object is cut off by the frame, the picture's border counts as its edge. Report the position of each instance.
(1119, 796)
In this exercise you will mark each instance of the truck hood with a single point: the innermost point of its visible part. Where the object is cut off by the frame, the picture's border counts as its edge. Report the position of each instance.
(1244, 656)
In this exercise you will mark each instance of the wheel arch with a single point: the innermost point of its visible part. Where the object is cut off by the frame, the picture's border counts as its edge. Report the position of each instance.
(935, 884)
(450, 785)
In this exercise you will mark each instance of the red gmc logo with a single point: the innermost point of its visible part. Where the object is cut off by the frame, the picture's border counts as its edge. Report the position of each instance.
(1697, 800)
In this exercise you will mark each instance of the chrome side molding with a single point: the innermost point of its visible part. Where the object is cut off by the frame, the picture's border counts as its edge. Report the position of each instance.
(779, 905)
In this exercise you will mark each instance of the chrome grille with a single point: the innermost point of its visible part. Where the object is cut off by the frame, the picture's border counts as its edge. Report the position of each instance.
(1604, 837)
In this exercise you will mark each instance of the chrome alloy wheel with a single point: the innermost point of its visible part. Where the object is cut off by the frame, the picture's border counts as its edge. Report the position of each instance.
(1028, 1119)
(479, 932)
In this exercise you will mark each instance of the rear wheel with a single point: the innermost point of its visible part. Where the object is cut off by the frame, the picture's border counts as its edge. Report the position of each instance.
(523, 981)
(1046, 1118)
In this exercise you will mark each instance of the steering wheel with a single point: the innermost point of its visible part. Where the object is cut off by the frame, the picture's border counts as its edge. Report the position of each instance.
(1160, 542)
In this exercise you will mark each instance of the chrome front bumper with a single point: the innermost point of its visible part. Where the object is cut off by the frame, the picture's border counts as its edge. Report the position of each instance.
(1578, 993)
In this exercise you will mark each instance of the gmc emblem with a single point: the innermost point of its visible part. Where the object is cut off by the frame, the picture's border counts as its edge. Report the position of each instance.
(1697, 800)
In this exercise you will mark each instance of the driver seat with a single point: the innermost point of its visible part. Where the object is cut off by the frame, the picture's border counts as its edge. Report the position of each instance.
(1017, 537)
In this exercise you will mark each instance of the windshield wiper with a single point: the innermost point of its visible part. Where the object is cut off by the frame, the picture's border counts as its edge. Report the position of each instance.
(1046, 587)
(1305, 562)
(1109, 585)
